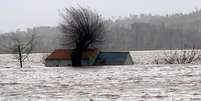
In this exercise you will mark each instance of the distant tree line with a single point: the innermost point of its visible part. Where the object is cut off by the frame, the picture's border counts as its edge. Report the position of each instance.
(136, 32)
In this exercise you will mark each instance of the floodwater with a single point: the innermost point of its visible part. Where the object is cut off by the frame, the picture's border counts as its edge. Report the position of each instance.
(148, 82)
(112, 83)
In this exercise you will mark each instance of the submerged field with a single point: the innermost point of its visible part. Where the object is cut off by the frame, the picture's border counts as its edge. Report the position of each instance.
(138, 82)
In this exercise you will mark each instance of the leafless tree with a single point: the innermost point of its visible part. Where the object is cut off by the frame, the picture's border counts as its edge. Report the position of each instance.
(83, 29)
(18, 46)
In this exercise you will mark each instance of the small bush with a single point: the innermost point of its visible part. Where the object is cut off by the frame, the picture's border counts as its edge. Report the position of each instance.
(43, 58)
(179, 57)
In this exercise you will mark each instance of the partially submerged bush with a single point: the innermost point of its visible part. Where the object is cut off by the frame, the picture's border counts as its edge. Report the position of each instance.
(43, 58)
(179, 57)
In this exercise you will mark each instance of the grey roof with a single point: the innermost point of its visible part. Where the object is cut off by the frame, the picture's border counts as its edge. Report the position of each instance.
(112, 58)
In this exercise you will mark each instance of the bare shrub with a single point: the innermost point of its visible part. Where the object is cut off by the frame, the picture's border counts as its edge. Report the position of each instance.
(43, 58)
(179, 57)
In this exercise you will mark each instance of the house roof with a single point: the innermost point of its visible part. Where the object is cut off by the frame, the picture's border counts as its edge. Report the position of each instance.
(112, 58)
(65, 54)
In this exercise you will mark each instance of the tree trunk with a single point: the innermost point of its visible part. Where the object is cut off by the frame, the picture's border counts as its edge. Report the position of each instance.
(76, 58)
(20, 56)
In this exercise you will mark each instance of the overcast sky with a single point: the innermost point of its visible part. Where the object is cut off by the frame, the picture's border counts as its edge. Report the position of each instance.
(22, 14)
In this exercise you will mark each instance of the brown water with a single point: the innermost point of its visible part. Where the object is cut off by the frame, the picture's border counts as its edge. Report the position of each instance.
(114, 83)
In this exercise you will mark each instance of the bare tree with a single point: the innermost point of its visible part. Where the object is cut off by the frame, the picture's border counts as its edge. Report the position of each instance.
(82, 29)
(19, 46)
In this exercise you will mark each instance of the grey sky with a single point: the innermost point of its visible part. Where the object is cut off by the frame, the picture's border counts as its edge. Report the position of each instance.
(23, 14)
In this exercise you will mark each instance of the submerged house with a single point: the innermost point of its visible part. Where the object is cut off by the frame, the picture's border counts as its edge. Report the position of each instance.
(114, 58)
(62, 57)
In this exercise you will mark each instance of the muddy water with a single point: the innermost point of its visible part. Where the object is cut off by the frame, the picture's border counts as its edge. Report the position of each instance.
(114, 83)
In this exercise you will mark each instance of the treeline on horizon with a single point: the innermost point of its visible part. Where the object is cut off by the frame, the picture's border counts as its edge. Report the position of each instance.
(136, 32)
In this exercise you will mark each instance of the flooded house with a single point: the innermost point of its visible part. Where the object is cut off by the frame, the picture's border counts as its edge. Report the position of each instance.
(114, 58)
(62, 57)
